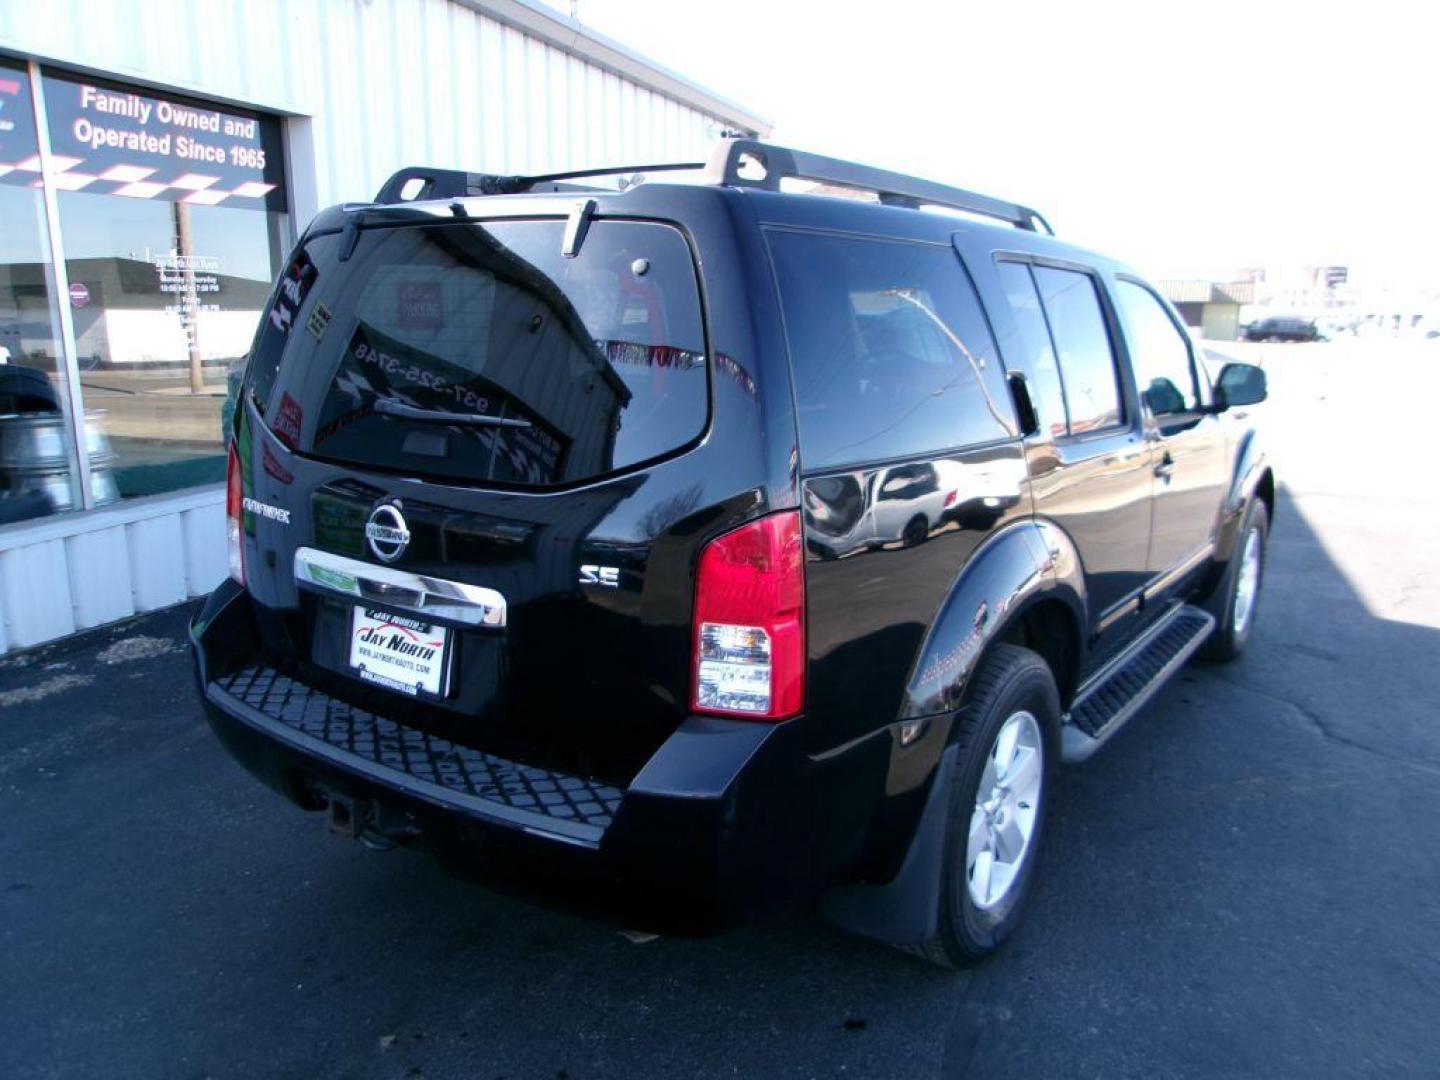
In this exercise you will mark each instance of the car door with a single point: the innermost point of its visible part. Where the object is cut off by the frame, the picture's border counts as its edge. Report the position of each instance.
(1187, 446)
(1089, 464)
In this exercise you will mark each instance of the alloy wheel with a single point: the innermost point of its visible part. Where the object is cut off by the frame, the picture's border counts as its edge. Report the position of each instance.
(1007, 801)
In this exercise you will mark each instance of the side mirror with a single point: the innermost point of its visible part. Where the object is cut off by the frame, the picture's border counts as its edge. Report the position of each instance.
(1240, 384)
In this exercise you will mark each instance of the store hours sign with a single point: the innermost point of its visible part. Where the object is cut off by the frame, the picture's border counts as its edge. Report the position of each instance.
(109, 139)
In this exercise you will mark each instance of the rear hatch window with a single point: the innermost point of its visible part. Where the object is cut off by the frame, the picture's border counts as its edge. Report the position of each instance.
(478, 352)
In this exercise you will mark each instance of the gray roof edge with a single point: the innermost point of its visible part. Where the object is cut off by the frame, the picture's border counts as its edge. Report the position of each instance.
(539, 21)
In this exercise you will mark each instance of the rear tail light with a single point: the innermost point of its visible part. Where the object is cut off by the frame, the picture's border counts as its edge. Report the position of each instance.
(233, 510)
(749, 633)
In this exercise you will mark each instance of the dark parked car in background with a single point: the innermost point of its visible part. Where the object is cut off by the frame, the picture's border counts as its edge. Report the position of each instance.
(695, 550)
(1283, 328)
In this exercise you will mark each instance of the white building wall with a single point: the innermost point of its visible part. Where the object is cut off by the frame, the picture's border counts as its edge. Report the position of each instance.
(374, 85)
(367, 86)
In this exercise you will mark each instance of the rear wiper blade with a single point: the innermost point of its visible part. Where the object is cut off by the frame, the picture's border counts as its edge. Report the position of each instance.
(389, 407)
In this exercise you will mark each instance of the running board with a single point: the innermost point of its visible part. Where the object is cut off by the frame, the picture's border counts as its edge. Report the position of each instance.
(1120, 689)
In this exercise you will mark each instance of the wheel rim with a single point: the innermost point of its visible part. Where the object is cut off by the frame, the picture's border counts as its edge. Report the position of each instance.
(1007, 802)
(1247, 581)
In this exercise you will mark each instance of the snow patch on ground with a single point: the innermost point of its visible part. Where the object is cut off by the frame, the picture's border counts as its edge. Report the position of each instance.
(137, 648)
(42, 690)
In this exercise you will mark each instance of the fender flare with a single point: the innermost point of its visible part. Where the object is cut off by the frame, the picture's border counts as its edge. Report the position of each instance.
(1251, 467)
(1016, 568)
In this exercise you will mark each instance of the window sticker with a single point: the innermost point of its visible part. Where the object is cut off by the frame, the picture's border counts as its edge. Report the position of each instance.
(290, 294)
(376, 365)
(421, 306)
(287, 421)
(319, 320)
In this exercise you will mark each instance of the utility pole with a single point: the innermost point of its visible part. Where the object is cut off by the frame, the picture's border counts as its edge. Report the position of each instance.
(190, 300)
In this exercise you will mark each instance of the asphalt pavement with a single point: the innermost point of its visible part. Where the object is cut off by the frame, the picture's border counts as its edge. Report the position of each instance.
(1245, 883)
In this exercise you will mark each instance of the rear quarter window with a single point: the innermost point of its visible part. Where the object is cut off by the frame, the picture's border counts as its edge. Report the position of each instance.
(891, 352)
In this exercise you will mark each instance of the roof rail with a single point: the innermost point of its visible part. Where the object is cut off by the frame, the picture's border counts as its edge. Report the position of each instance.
(457, 184)
(727, 166)
(730, 155)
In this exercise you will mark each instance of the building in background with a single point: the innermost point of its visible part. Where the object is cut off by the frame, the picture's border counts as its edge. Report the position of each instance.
(1345, 300)
(1210, 309)
(157, 161)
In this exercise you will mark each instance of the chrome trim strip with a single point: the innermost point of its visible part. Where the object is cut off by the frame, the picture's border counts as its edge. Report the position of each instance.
(1185, 566)
(404, 589)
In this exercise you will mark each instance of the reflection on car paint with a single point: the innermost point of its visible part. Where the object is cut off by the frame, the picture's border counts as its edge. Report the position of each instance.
(907, 504)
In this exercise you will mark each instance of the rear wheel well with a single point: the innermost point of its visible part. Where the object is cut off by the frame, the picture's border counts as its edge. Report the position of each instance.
(1048, 628)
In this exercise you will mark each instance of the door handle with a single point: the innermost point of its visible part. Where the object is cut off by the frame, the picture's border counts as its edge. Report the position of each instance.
(1166, 467)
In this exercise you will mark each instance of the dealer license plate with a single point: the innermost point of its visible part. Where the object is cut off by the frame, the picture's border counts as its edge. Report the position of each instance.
(399, 653)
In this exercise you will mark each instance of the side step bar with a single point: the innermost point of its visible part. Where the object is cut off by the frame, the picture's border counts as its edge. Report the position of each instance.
(1120, 689)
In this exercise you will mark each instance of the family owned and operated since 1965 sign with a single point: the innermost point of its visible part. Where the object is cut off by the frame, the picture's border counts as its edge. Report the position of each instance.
(115, 140)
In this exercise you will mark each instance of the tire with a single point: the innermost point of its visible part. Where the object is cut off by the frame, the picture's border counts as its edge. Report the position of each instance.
(1010, 682)
(917, 531)
(1234, 617)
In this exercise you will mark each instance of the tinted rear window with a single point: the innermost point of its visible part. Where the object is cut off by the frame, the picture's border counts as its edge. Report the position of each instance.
(385, 359)
(891, 352)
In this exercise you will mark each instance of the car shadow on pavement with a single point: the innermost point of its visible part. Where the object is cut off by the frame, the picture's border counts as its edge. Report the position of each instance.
(1244, 883)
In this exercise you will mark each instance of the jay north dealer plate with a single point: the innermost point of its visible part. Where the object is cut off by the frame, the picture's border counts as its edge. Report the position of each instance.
(403, 654)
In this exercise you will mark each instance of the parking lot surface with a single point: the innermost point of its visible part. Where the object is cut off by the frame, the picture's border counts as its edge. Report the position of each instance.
(1246, 882)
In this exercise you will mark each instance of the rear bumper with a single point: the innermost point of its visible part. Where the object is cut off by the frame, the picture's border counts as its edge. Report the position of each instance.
(718, 827)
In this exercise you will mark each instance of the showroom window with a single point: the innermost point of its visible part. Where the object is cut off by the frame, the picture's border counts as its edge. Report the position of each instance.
(171, 222)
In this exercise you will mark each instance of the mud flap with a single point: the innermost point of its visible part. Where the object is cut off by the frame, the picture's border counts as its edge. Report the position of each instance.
(904, 911)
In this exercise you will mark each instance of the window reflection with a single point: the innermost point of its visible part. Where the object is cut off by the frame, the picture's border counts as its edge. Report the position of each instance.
(1159, 352)
(891, 353)
(173, 293)
(1087, 364)
(35, 459)
(483, 354)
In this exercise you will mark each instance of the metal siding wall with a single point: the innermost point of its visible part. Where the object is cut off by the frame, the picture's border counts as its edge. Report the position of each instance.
(100, 584)
(60, 575)
(35, 589)
(388, 82)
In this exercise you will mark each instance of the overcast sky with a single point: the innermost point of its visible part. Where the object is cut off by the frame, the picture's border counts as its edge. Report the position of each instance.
(1184, 138)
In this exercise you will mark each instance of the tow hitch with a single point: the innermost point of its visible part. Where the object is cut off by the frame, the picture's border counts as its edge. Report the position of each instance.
(373, 824)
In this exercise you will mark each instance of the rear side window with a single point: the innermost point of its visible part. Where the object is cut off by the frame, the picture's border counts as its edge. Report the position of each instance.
(891, 352)
(1159, 353)
(1082, 342)
(477, 352)
(1033, 354)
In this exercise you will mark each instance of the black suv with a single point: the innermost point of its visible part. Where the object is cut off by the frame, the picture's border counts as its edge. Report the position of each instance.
(688, 551)
(1283, 328)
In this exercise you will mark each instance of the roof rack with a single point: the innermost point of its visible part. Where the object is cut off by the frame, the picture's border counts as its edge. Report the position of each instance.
(457, 184)
(729, 165)
(733, 163)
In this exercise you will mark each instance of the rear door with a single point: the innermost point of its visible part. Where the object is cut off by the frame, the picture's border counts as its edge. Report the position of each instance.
(1089, 462)
(460, 447)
